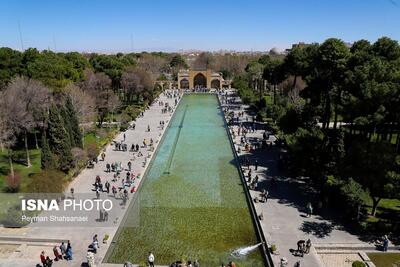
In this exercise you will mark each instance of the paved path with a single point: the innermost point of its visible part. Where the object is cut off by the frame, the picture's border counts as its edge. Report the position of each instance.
(285, 221)
(81, 237)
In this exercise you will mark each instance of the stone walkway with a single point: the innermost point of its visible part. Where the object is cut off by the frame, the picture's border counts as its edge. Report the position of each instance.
(284, 219)
(28, 252)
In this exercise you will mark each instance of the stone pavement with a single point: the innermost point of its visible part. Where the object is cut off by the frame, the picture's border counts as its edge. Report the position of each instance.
(284, 219)
(28, 252)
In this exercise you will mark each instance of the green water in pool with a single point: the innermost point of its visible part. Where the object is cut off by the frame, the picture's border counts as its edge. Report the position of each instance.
(191, 204)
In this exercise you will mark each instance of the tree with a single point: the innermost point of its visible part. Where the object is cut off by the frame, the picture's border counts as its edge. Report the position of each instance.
(136, 82)
(13, 182)
(76, 135)
(47, 159)
(113, 104)
(131, 83)
(33, 97)
(12, 113)
(82, 101)
(255, 71)
(7, 135)
(326, 81)
(203, 61)
(53, 69)
(274, 74)
(10, 65)
(353, 195)
(375, 166)
(178, 62)
(294, 63)
(152, 63)
(98, 85)
(58, 139)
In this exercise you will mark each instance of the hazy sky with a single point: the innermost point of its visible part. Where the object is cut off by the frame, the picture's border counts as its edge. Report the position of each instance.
(168, 25)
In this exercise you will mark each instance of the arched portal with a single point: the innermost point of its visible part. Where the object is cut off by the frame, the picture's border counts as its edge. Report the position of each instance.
(215, 84)
(184, 84)
(200, 81)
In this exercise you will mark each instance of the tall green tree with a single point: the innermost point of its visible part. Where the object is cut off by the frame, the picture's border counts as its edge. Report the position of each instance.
(58, 139)
(47, 159)
(73, 124)
(375, 166)
(294, 63)
(274, 73)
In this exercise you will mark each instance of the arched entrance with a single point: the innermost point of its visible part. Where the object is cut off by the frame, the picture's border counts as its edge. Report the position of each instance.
(200, 81)
(215, 84)
(184, 84)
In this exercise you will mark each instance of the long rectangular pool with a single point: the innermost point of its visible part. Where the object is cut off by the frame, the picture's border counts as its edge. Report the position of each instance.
(191, 204)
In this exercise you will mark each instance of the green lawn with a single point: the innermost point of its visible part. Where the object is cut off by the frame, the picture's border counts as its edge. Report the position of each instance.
(100, 139)
(385, 259)
(19, 162)
(393, 140)
(269, 99)
(19, 158)
(387, 209)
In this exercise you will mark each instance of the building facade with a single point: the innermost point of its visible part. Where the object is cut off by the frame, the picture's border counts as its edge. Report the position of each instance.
(201, 79)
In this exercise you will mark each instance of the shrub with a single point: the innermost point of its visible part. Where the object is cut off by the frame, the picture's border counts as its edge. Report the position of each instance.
(79, 155)
(47, 181)
(358, 264)
(123, 127)
(92, 150)
(273, 248)
(13, 218)
(13, 182)
(132, 112)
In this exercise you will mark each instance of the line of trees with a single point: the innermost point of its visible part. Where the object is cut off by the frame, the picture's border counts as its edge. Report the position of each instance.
(50, 97)
(338, 110)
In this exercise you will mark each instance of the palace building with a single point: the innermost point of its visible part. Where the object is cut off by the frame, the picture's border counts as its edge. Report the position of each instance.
(201, 79)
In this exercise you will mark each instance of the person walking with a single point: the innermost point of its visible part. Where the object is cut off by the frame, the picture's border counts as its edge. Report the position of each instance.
(107, 185)
(68, 253)
(300, 247)
(151, 259)
(57, 255)
(308, 246)
(385, 243)
(95, 246)
(42, 258)
(309, 209)
(265, 194)
(63, 249)
(114, 190)
(108, 167)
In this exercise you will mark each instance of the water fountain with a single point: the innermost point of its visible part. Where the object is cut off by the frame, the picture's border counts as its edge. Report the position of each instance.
(244, 251)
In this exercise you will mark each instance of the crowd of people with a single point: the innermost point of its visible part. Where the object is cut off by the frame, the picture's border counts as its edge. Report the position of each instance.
(117, 182)
(62, 252)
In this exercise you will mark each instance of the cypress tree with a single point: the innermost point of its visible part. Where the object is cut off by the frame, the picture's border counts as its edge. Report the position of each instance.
(47, 159)
(67, 125)
(58, 139)
(75, 131)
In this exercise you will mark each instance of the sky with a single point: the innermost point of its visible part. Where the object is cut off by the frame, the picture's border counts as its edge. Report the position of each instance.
(170, 25)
